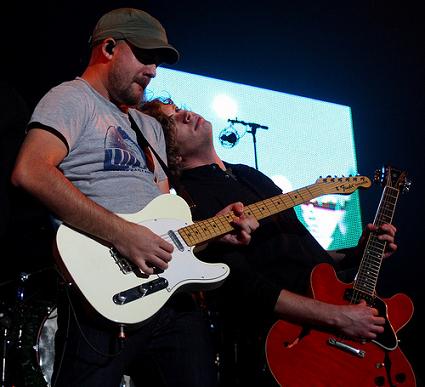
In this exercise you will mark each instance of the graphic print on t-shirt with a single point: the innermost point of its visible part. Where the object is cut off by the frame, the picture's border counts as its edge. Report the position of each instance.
(121, 152)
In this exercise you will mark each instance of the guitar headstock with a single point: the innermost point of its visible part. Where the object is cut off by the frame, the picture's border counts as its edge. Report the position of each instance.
(389, 176)
(343, 185)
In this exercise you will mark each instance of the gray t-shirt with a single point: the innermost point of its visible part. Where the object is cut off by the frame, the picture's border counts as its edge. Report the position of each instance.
(104, 160)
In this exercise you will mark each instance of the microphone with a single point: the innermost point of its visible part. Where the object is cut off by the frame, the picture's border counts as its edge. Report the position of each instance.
(232, 138)
(229, 137)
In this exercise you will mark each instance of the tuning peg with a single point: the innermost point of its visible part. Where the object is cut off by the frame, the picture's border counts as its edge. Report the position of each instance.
(377, 176)
(406, 187)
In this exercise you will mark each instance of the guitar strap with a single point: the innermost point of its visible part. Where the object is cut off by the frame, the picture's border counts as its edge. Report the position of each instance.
(147, 148)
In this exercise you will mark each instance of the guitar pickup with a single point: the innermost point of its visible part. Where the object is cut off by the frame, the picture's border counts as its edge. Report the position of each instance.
(140, 291)
(351, 296)
(175, 240)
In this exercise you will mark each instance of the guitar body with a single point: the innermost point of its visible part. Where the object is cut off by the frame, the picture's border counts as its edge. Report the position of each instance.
(298, 356)
(93, 268)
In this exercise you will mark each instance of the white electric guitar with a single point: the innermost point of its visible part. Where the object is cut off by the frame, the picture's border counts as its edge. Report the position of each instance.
(121, 293)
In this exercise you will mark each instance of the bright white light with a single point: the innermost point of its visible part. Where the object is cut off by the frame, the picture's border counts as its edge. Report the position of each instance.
(225, 106)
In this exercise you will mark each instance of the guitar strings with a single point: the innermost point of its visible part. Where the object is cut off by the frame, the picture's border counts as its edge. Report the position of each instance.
(374, 250)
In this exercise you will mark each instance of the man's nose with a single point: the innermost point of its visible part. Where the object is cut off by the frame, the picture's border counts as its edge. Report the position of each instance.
(188, 116)
(151, 70)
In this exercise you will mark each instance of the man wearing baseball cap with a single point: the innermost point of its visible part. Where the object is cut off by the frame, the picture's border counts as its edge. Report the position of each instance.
(83, 159)
(138, 28)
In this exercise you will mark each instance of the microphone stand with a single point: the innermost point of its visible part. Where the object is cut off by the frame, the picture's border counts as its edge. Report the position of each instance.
(253, 130)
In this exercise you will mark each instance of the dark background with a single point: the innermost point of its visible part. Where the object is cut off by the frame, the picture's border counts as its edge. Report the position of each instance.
(368, 56)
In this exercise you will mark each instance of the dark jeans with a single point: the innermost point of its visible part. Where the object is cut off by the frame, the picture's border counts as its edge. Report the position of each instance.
(172, 349)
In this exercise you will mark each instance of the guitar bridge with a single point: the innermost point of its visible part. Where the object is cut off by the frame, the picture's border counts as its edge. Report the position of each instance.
(124, 264)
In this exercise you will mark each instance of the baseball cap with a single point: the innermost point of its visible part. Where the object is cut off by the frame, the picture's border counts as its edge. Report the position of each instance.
(137, 27)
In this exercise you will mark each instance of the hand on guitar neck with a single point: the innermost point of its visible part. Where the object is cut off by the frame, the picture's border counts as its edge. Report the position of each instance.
(385, 233)
(243, 225)
(350, 257)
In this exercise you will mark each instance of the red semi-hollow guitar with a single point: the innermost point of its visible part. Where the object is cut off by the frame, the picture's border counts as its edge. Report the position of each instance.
(301, 356)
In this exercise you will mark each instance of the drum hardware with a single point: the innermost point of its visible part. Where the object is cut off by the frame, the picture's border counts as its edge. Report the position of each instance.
(3, 358)
(45, 345)
(18, 320)
(27, 330)
(11, 322)
(5, 324)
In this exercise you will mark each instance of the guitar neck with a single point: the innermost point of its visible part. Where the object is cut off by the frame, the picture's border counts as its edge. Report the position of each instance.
(367, 276)
(216, 226)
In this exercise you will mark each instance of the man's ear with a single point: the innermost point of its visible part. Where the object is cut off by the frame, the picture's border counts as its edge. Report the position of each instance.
(110, 45)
